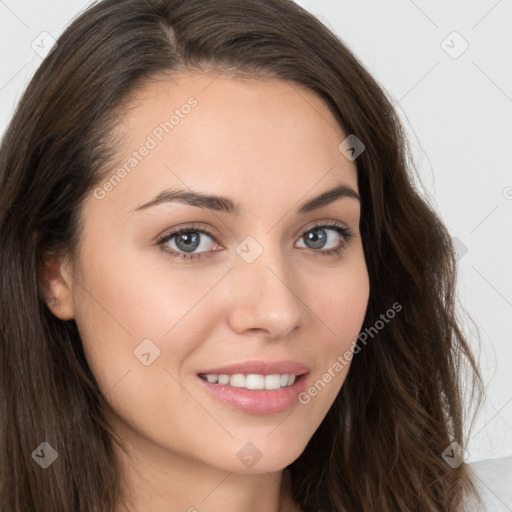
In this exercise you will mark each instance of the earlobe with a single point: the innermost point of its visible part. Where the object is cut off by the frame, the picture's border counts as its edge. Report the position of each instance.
(55, 282)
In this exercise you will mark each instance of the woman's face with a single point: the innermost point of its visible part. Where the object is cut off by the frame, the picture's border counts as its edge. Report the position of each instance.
(257, 287)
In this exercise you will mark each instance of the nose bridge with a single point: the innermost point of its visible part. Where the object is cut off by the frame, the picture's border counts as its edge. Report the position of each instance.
(266, 297)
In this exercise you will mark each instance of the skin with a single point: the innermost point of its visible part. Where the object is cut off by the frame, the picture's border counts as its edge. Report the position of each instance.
(270, 146)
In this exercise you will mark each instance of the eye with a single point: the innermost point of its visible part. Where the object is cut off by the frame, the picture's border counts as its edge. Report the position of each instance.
(183, 242)
(318, 236)
(188, 240)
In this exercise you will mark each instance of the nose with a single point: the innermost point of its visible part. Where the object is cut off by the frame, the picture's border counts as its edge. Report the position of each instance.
(264, 297)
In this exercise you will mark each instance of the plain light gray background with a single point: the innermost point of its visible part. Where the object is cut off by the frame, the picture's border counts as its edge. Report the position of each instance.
(447, 64)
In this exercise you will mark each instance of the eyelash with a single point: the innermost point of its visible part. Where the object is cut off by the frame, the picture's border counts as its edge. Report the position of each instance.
(345, 232)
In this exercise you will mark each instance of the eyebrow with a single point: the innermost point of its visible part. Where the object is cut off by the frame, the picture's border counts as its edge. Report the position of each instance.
(227, 205)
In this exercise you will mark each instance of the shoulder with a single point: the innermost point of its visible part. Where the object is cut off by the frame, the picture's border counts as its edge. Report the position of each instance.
(493, 478)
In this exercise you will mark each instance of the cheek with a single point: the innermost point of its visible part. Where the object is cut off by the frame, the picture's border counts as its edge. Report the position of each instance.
(341, 306)
(340, 311)
(142, 293)
(123, 302)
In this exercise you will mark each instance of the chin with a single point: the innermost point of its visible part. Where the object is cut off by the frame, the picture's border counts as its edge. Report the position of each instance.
(249, 459)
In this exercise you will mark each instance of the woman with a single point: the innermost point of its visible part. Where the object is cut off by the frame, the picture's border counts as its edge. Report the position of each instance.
(220, 287)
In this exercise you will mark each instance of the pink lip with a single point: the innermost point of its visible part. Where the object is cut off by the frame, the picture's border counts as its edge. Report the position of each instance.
(259, 368)
(257, 401)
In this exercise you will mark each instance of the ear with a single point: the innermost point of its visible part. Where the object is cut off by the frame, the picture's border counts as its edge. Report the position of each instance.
(56, 285)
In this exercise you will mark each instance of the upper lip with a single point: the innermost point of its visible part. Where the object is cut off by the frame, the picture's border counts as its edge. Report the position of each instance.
(259, 368)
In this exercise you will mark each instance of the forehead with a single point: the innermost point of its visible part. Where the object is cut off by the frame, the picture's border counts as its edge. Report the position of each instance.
(227, 135)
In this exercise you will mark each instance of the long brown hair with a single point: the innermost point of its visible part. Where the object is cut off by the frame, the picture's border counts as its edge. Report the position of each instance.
(380, 446)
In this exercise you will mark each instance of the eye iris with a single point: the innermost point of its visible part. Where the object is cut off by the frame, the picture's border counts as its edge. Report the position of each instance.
(191, 241)
(317, 239)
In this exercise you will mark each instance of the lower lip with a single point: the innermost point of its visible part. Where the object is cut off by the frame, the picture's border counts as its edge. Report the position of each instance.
(258, 401)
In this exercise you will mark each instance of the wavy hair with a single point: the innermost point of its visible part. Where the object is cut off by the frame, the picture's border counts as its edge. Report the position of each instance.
(380, 446)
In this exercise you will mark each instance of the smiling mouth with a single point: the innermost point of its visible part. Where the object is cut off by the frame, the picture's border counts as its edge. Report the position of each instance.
(254, 393)
(252, 381)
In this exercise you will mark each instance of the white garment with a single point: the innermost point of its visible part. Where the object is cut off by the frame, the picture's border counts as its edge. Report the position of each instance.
(493, 478)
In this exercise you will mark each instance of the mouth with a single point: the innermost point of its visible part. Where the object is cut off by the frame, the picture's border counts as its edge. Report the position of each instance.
(252, 381)
(255, 393)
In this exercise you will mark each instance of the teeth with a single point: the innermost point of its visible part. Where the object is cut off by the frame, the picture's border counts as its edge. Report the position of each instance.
(252, 381)
(272, 381)
(223, 379)
(237, 380)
